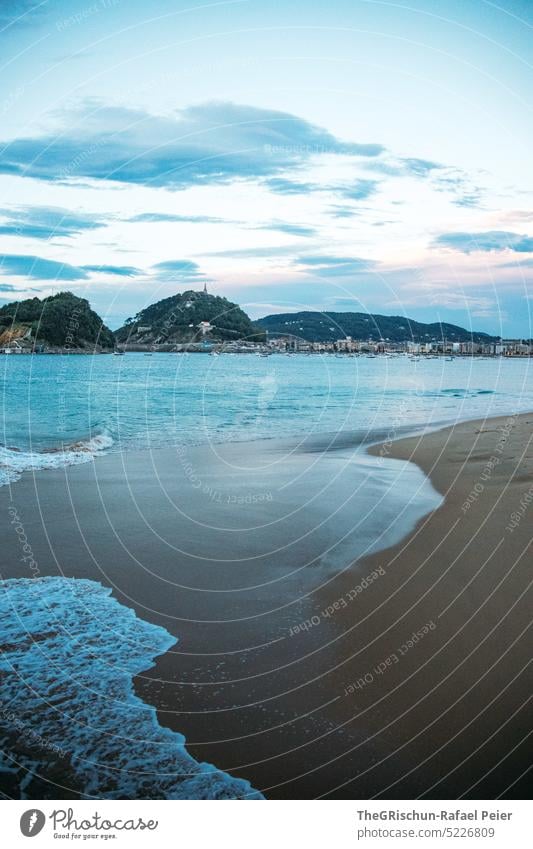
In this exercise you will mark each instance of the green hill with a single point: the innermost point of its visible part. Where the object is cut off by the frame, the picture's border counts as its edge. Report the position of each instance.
(62, 320)
(178, 320)
(330, 326)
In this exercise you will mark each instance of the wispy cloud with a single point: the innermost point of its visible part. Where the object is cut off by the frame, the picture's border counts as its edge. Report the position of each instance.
(287, 227)
(325, 265)
(259, 252)
(181, 270)
(463, 190)
(360, 190)
(25, 265)
(117, 270)
(156, 217)
(342, 210)
(419, 167)
(284, 186)
(8, 287)
(38, 268)
(491, 240)
(403, 167)
(46, 222)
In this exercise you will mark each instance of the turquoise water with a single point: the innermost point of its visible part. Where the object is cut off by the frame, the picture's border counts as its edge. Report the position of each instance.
(76, 406)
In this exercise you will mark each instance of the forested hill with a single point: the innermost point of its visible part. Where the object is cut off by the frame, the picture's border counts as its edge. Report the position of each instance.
(178, 319)
(330, 326)
(62, 321)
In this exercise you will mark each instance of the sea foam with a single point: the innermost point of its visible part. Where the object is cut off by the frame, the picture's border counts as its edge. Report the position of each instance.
(70, 721)
(13, 462)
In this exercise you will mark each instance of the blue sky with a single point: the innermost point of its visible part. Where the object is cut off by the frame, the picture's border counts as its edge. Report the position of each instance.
(361, 155)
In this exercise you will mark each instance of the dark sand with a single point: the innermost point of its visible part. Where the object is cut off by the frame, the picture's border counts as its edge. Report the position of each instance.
(232, 550)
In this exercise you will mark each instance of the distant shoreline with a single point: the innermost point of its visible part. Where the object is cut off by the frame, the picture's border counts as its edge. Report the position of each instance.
(222, 348)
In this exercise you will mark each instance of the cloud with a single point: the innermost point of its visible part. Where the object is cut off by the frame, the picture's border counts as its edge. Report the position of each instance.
(343, 211)
(334, 266)
(46, 222)
(469, 201)
(419, 167)
(443, 178)
(28, 265)
(154, 217)
(360, 190)
(492, 240)
(25, 265)
(212, 142)
(404, 167)
(184, 270)
(8, 287)
(290, 229)
(263, 252)
(282, 186)
(118, 270)
(464, 192)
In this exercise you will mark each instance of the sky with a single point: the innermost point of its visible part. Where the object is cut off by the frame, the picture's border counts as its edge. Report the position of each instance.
(349, 155)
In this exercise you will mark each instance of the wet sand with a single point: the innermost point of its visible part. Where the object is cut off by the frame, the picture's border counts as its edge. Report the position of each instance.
(306, 663)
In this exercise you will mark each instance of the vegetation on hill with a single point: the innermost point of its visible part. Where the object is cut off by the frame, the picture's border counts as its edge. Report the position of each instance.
(330, 326)
(62, 320)
(178, 320)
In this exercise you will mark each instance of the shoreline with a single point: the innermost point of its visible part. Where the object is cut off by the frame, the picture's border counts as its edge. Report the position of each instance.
(15, 461)
(482, 761)
(285, 708)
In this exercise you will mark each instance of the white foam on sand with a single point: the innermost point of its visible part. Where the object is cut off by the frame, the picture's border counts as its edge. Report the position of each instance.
(68, 711)
(13, 462)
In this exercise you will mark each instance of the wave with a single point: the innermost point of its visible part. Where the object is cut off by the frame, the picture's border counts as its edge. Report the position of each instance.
(14, 462)
(466, 392)
(72, 722)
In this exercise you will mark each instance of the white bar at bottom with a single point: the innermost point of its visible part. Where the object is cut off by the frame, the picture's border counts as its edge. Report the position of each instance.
(264, 825)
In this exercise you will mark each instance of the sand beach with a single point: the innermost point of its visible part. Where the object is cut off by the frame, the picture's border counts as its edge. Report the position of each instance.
(350, 623)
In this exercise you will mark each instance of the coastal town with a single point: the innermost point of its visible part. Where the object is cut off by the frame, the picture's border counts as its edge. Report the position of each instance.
(289, 345)
(384, 347)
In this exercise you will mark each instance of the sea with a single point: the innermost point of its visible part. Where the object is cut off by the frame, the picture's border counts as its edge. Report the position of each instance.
(66, 409)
